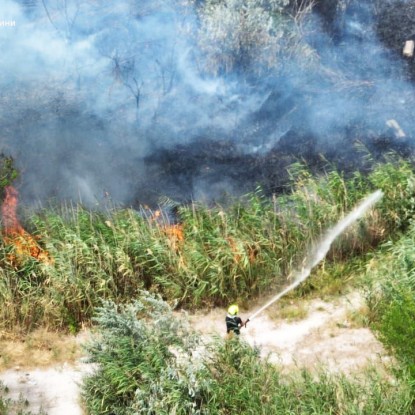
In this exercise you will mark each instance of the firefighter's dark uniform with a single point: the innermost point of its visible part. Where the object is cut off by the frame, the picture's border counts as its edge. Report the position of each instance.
(233, 324)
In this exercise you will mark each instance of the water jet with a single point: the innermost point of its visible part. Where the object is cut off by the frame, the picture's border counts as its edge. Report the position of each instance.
(323, 247)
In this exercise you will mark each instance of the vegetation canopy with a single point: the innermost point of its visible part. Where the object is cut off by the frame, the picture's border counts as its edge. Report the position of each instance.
(148, 361)
(150, 366)
(214, 256)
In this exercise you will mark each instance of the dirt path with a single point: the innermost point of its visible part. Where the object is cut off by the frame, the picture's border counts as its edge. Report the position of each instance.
(54, 390)
(325, 336)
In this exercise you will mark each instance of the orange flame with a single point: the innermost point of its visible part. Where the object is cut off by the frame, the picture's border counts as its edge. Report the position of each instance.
(175, 236)
(11, 225)
(252, 251)
(174, 233)
(14, 234)
(234, 249)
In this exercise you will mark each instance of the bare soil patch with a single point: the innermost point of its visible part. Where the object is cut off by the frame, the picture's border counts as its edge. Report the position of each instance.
(46, 369)
(326, 336)
(54, 390)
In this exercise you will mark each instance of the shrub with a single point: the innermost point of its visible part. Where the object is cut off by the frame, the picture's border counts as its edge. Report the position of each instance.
(238, 35)
(396, 325)
(391, 297)
(135, 353)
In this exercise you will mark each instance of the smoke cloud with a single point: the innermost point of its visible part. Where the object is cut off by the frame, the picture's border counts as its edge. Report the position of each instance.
(112, 100)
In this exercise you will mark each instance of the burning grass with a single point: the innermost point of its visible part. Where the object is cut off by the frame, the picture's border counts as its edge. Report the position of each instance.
(212, 256)
(23, 244)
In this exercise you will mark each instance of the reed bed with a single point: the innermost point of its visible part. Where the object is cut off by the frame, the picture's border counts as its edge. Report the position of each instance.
(215, 255)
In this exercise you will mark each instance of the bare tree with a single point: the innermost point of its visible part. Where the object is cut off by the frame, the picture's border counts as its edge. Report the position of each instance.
(68, 18)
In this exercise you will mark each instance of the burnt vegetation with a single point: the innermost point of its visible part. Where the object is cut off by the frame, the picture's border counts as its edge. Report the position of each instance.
(282, 131)
(211, 105)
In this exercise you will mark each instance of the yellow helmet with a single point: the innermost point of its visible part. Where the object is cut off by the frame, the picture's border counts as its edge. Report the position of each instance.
(233, 310)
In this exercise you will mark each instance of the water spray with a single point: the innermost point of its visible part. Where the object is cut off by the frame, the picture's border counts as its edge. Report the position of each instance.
(323, 247)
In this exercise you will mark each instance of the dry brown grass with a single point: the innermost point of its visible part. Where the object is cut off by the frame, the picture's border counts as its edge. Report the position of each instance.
(41, 348)
(359, 317)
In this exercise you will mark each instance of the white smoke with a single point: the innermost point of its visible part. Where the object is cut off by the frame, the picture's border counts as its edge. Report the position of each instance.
(90, 90)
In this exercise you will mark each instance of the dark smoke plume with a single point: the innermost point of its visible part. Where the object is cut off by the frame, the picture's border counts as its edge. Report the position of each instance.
(113, 99)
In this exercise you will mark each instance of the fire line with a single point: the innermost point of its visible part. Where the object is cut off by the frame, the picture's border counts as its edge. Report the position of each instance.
(14, 233)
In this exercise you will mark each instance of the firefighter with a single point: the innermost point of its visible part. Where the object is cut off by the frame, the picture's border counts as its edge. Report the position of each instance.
(233, 321)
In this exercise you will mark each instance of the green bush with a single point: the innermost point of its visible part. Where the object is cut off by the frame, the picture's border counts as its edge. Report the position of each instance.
(391, 297)
(396, 326)
(136, 350)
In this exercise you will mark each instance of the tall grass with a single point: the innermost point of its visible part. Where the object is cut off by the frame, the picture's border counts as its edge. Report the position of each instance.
(391, 297)
(216, 255)
(146, 364)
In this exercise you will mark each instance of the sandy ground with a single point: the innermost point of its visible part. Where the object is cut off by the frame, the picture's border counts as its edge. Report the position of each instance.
(54, 390)
(324, 337)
